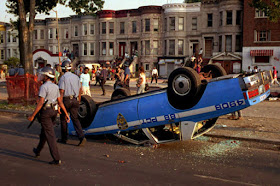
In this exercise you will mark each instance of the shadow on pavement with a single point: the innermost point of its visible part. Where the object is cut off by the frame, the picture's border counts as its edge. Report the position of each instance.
(21, 155)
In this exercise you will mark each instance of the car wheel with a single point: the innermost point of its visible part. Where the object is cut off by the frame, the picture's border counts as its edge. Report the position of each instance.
(216, 70)
(183, 86)
(120, 93)
(87, 111)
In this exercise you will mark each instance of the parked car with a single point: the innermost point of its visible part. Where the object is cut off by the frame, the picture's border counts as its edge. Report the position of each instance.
(186, 109)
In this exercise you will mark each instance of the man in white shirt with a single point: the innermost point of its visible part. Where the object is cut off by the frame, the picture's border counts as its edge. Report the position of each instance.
(84, 79)
(154, 74)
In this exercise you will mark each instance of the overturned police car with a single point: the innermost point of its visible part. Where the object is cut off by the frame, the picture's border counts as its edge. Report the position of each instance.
(186, 109)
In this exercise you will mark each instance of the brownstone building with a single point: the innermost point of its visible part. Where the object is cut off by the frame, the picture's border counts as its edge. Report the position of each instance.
(261, 40)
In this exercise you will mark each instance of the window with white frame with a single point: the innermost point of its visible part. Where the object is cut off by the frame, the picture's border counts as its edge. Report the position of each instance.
(180, 47)
(14, 38)
(263, 35)
(172, 23)
(181, 23)
(238, 43)
(260, 13)
(50, 33)
(171, 47)
(111, 48)
(229, 17)
(134, 26)
(147, 47)
(156, 27)
(155, 47)
(15, 53)
(147, 67)
(76, 31)
(9, 53)
(91, 27)
(165, 24)
(103, 31)
(85, 49)
(9, 37)
(122, 28)
(56, 33)
(103, 48)
(194, 23)
(85, 29)
(111, 27)
(147, 25)
(91, 45)
(229, 43)
(2, 54)
(35, 34)
(221, 19)
(51, 48)
(66, 33)
(42, 34)
(1, 37)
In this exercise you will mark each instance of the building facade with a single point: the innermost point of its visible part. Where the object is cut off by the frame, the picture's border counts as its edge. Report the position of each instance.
(261, 43)
(163, 36)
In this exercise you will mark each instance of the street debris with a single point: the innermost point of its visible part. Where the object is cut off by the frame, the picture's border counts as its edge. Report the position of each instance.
(106, 155)
(121, 161)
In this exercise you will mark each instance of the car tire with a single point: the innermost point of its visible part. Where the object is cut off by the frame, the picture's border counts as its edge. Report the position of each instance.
(87, 111)
(120, 93)
(183, 87)
(216, 70)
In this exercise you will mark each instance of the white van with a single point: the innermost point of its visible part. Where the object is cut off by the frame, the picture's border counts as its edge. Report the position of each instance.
(89, 65)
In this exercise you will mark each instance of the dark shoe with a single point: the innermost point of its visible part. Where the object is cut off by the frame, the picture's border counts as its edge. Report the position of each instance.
(62, 141)
(82, 142)
(37, 154)
(55, 162)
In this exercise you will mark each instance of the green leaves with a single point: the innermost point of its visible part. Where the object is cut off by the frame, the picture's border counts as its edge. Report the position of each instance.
(43, 6)
(272, 9)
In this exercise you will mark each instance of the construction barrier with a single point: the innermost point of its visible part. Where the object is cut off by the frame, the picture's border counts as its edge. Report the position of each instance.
(22, 89)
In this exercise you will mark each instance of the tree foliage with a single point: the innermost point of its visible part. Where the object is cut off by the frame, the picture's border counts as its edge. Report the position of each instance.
(270, 7)
(12, 61)
(44, 6)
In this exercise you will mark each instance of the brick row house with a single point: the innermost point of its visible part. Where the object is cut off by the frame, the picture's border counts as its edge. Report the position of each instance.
(261, 43)
(163, 36)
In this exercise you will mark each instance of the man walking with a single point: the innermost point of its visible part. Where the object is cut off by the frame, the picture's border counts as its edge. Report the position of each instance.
(48, 98)
(84, 79)
(70, 90)
(103, 78)
(154, 74)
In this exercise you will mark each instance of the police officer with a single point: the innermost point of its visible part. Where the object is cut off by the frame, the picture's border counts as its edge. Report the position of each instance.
(12, 71)
(70, 89)
(19, 71)
(47, 106)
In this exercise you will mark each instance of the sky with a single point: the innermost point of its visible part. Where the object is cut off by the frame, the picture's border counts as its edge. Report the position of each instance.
(109, 4)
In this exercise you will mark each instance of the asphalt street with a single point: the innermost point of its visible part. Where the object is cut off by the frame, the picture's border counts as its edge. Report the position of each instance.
(110, 162)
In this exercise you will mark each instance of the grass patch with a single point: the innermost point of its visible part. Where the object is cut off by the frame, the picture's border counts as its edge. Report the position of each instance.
(4, 105)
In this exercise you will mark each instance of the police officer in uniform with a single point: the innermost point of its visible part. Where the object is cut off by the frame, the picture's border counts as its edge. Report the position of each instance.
(70, 89)
(47, 102)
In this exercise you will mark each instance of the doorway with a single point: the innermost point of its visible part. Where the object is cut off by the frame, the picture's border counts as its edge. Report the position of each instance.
(133, 48)
(76, 50)
(122, 46)
(208, 47)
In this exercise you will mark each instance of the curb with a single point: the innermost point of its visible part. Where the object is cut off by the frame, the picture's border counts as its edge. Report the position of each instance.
(15, 112)
(259, 140)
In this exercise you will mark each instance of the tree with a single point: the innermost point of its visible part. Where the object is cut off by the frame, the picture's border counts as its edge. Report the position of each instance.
(12, 61)
(26, 11)
(270, 7)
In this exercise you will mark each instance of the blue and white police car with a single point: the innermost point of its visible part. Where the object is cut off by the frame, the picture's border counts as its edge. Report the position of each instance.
(186, 109)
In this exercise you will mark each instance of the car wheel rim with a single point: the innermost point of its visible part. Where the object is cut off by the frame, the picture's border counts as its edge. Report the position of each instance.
(181, 85)
(82, 110)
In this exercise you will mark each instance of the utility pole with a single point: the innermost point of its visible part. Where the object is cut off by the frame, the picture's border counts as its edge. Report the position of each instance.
(57, 30)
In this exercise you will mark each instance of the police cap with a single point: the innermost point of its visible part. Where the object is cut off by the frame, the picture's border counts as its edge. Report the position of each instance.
(48, 71)
(66, 65)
